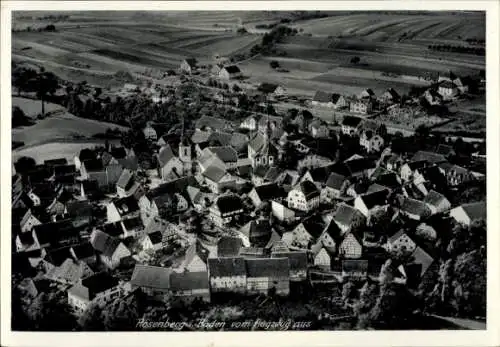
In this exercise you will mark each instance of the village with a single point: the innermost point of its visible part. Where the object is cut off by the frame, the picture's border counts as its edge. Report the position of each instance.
(277, 204)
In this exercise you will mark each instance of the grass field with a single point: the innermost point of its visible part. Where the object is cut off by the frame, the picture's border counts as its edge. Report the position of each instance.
(61, 126)
(32, 108)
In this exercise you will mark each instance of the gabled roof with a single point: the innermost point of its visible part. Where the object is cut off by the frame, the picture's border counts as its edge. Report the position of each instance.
(269, 191)
(229, 246)
(225, 153)
(414, 165)
(214, 173)
(297, 260)
(191, 62)
(232, 69)
(430, 157)
(118, 152)
(57, 256)
(166, 154)
(70, 271)
(113, 229)
(104, 243)
(93, 165)
(156, 237)
(54, 232)
(423, 258)
(378, 198)
(389, 180)
(156, 224)
(321, 174)
(354, 265)
(257, 142)
(226, 267)
(200, 136)
(186, 281)
(229, 203)
(394, 95)
(351, 121)
(445, 150)
(151, 277)
(196, 249)
(344, 214)
(132, 223)
(416, 207)
(314, 225)
(308, 189)
(126, 179)
(79, 208)
(212, 122)
(83, 250)
(93, 285)
(267, 87)
(447, 85)
(358, 165)
(475, 210)
(434, 198)
(267, 267)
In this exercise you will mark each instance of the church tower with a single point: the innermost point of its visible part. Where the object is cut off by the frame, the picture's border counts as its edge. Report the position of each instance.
(185, 152)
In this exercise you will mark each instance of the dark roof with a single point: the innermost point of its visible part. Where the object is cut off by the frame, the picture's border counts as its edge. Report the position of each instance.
(229, 246)
(156, 237)
(415, 207)
(269, 191)
(389, 180)
(393, 93)
(434, 198)
(126, 205)
(229, 203)
(430, 157)
(354, 265)
(98, 283)
(344, 214)
(232, 69)
(267, 87)
(445, 150)
(191, 62)
(321, 174)
(56, 162)
(78, 208)
(104, 243)
(132, 223)
(214, 173)
(475, 210)
(113, 229)
(308, 189)
(258, 232)
(188, 281)
(151, 277)
(414, 165)
(63, 170)
(226, 267)
(212, 122)
(225, 153)
(166, 154)
(351, 121)
(325, 97)
(314, 225)
(83, 250)
(378, 198)
(297, 260)
(57, 256)
(54, 232)
(93, 165)
(267, 267)
(118, 152)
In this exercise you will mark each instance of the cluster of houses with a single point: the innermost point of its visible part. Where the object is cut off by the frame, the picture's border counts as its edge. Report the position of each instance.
(79, 222)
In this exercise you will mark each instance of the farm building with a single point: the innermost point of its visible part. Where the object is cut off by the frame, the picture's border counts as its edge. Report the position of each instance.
(230, 72)
(362, 106)
(390, 96)
(350, 125)
(271, 89)
(448, 90)
(332, 100)
(189, 65)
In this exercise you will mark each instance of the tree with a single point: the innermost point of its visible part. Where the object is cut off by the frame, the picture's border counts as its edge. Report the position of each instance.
(122, 313)
(25, 164)
(236, 88)
(46, 83)
(355, 60)
(91, 319)
(21, 78)
(348, 291)
(18, 117)
(50, 27)
(50, 312)
(274, 64)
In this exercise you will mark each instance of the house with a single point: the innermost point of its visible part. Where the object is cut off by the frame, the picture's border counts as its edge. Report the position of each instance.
(371, 142)
(211, 123)
(229, 246)
(408, 170)
(445, 150)
(448, 90)
(189, 286)
(218, 179)
(28, 221)
(189, 65)
(367, 94)
(261, 152)
(350, 125)
(390, 97)
(322, 259)
(152, 241)
(84, 252)
(368, 203)
(308, 231)
(361, 106)
(266, 192)
(46, 235)
(297, 261)
(132, 227)
(152, 280)
(250, 123)
(351, 246)
(225, 209)
(226, 154)
(422, 258)
(436, 202)
(318, 129)
(127, 184)
(256, 233)
(354, 269)
(304, 197)
(150, 133)
(414, 209)
(271, 126)
(168, 230)
(80, 213)
(270, 89)
(111, 250)
(312, 161)
(227, 274)
(179, 165)
(230, 72)
(195, 259)
(334, 188)
(400, 241)
(100, 287)
(266, 274)
(208, 159)
(466, 214)
(433, 97)
(331, 100)
(348, 218)
(122, 208)
(455, 175)
(281, 212)
(69, 272)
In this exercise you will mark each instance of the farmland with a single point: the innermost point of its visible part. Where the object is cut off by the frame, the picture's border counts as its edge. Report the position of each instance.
(32, 108)
(61, 126)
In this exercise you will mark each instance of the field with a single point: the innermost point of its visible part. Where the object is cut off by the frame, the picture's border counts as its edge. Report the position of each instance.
(60, 126)
(32, 108)
(53, 150)
(392, 47)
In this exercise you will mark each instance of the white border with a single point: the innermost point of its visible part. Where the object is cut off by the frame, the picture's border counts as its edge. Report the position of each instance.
(491, 337)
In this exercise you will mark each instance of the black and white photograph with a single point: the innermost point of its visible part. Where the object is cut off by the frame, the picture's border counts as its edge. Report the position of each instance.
(253, 170)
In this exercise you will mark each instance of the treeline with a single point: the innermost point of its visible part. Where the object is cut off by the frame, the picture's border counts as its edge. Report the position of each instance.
(474, 41)
(48, 28)
(458, 49)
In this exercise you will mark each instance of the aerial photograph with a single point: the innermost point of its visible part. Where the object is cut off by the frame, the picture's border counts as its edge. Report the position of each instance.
(248, 170)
